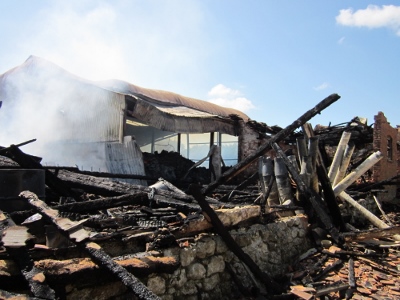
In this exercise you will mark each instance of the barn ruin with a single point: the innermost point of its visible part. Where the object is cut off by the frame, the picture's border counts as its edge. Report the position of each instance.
(273, 218)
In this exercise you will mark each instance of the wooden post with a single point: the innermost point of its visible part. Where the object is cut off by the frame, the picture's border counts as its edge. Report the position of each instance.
(357, 172)
(366, 213)
(215, 163)
(313, 153)
(326, 185)
(337, 159)
(348, 152)
(301, 148)
(310, 195)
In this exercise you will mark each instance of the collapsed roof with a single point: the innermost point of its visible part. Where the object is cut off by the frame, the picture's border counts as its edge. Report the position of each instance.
(161, 109)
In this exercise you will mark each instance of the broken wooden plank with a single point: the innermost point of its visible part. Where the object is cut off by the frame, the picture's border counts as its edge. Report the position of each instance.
(229, 218)
(351, 274)
(302, 292)
(33, 275)
(366, 213)
(378, 184)
(16, 240)
(16, 237)
(370, 234)
(75, 232)
(228, 239)
(337, 158)
(326, 185)
(143, 266)
(101, 258)
(337, 263)
(357, 172)
(139, 198)
(336, 287)
(238, 168)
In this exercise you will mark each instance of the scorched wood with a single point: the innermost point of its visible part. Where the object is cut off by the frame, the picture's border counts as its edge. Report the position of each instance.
(310, 196)
(370, 234)
(76, 233)
(238, 168)
(16, 239)
(326, 185)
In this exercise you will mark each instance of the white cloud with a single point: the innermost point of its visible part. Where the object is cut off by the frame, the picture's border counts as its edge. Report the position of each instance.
(321, 87)
(372, 17)
(227, 97)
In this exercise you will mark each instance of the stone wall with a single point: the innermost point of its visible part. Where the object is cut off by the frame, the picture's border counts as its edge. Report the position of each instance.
(204, 264)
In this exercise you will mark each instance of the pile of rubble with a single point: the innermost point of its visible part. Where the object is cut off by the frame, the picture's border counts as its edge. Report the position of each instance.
(282, 233)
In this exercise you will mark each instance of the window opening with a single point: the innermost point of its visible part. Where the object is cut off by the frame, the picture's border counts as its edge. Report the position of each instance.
(389, 148)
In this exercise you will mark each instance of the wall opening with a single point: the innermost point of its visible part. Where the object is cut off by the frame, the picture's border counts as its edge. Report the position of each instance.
(193, 146)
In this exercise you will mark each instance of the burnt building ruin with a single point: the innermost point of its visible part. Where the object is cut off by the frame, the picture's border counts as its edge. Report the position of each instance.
(124, 209)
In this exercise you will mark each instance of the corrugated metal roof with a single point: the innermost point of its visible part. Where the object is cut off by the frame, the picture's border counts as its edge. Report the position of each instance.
(170, 98)
(161, 109)
(183, 111)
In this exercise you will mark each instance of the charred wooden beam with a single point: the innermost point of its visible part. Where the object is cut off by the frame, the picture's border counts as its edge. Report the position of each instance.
(14, 296)
(326, 185)
(5, 149)
(351, 274)
(101, 174)
(139, 198)
(103, 259)
(194, 224)
(156, 197)
(338, 263)
(370, 234)
(142, 266)
(327, 289)
(15, 240)
(33, 275)
(388, 181)
(75, 232)
(238, 168)
(241, 186)
(228, 239)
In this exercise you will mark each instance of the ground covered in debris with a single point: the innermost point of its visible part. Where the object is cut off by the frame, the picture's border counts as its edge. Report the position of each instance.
(97, 227)
(364, 269)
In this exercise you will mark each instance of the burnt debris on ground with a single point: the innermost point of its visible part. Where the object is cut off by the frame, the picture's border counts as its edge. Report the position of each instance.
(93, 225)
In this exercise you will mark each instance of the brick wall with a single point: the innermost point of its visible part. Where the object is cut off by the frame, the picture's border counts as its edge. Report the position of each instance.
(385, 140)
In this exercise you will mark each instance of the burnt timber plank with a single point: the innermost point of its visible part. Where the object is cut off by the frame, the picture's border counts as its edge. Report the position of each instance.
(370, 234)
(16, 240)
(238, 168)
(139, 198)
(326, 185)
(75, 232)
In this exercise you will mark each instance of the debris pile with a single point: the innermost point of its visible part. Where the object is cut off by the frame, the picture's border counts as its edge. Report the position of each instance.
(90, 225)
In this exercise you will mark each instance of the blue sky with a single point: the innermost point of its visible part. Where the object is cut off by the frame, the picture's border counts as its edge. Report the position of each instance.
(273, 60)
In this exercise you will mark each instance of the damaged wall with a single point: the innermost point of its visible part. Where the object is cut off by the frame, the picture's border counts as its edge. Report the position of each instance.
(204, 263)
(385, 140)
